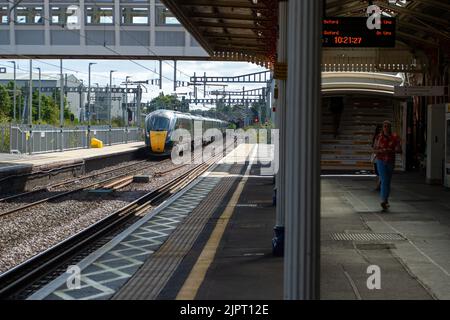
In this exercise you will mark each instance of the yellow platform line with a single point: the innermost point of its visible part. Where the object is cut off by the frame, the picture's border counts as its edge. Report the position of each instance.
(198, 272)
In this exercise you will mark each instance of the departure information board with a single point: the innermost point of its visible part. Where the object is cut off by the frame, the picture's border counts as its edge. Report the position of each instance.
(353, 32)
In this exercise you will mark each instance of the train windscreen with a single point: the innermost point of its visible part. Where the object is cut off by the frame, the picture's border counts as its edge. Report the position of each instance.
(159, 124)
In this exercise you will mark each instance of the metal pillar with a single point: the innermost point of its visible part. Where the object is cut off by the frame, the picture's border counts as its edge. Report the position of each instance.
(302, 180)
(125, 110)
(30, 110)
(39, 96)
(195, 88)
(174, 75)
(204, 86)
(89, 105)
(89, 92)
(30, 96)
(82, 109)
(61, 103)
(278, 240)
(138, 106)
(15, 93)
(61, 94)
(160, 74)
(110, 97)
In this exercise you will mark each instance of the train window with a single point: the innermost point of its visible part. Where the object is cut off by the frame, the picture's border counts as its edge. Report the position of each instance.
(180, 124)
(188, 124)
(159, 123)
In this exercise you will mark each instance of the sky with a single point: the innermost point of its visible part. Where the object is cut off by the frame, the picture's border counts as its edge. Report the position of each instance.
(142, 70)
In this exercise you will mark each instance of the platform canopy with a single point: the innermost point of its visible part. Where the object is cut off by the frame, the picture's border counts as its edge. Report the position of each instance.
(246, 30)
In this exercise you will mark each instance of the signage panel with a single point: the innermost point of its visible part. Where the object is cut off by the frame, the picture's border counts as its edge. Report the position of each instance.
(353, 32)
(419, 91)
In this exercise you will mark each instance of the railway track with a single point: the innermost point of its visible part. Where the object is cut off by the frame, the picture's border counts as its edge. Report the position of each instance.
(111, 181)
(67, 182)
(24, 274)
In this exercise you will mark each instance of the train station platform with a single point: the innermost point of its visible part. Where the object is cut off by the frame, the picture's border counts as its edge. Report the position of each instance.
(83, 160)
(13, 163)
(213, 241)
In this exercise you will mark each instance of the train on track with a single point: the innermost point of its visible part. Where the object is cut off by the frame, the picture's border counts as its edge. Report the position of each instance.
(161, 124)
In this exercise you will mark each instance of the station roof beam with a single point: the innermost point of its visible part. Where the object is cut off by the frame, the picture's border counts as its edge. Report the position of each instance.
(233, 29)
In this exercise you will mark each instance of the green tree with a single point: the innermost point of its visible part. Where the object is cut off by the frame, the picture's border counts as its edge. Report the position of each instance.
(19, 99)
(167, 102)
(50, 109)
(5, 102)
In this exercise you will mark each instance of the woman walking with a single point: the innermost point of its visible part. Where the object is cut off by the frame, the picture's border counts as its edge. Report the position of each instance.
(386, 146)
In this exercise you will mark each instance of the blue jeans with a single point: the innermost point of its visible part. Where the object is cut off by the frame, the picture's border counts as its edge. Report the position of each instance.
(385, 170)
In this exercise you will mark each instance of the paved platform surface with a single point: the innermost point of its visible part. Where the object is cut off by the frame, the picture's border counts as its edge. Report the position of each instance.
(11, 162)
(214, 242)
(416, 267)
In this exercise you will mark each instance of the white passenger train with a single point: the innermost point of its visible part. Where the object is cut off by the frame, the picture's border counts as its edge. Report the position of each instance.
(160, 125)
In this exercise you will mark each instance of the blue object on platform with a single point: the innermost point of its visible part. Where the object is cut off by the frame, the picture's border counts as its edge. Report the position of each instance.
(278, 241)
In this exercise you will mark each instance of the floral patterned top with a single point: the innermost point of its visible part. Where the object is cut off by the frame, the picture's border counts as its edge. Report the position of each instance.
(389, 144)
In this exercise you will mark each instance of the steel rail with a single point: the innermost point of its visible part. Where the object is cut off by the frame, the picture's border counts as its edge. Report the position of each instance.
(65, 182)
(24, 274)
(66, 193)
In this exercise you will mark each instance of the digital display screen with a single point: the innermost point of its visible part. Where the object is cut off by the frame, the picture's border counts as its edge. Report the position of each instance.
(353, 32)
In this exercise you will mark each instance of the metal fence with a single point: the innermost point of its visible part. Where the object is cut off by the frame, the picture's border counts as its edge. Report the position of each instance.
(44, 139)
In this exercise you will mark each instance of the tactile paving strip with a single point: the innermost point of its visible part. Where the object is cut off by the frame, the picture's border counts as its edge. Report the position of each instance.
(111, 270)
(151, 278)
(367, 237)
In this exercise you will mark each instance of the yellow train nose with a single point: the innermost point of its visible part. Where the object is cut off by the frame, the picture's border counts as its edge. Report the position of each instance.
(158, 140)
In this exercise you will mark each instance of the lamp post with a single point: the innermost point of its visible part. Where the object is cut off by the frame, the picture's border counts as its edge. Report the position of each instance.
(39, 95)
(89, 105)
(89, 93)
(30, 96)
(14, 94)
(110, 96)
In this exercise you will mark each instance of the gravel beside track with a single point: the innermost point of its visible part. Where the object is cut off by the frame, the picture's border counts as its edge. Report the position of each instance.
(78, 182)
(33, 230)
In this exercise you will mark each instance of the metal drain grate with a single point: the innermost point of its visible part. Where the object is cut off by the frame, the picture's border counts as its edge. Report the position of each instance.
(367, 237)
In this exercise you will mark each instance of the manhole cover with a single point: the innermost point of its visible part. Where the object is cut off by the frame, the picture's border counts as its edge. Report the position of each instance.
(367, 237)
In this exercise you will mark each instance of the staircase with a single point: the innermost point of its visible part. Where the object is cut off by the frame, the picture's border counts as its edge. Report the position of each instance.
(352, 148)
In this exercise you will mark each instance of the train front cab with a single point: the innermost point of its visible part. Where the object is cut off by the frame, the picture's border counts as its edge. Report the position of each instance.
(157, 138)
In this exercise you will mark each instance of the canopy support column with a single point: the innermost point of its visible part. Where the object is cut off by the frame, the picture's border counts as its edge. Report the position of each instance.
(302, 182)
